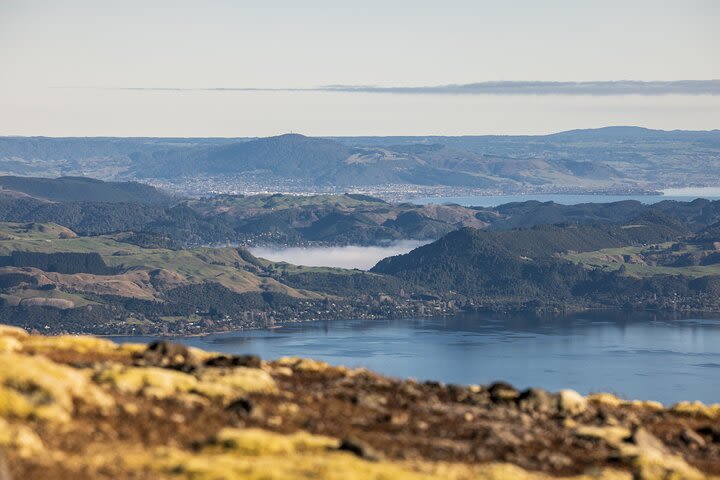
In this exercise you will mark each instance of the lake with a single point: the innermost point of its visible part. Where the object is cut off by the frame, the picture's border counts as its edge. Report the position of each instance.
(636, 356)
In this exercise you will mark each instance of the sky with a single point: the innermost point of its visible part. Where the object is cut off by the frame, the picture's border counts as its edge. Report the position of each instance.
(256, 68)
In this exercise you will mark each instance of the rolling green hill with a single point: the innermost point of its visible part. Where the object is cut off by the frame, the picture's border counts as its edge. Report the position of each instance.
(638, 265)
(154, 219)
(82, 189)
(52, 279)
(314, 161)
(279, 219)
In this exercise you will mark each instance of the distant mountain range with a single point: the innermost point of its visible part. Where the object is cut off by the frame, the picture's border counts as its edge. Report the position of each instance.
(606, 158)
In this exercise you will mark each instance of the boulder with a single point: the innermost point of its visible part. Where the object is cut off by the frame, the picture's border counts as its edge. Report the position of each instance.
(571, 402)
(502, 392)
(250, 361)
(167, 355)
(537, 400)
(359, 448)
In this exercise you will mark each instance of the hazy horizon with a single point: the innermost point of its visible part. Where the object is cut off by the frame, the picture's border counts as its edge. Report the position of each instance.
(245, 69)
(350, 135)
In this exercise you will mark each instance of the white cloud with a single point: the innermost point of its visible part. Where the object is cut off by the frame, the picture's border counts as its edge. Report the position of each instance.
(615, 87)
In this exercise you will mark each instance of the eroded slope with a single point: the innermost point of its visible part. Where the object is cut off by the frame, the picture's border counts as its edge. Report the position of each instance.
(82, 407)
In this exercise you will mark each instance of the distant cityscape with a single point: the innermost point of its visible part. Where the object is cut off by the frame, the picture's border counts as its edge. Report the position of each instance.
(200, 186)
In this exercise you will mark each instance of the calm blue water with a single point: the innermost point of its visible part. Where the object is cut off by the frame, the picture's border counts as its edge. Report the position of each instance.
(636, 356)
(495, 200)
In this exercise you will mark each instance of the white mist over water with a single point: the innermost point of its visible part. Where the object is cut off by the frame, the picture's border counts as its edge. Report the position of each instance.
(350, 256)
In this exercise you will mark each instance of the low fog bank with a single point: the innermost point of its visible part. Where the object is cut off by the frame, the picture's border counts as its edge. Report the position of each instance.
(351, 256)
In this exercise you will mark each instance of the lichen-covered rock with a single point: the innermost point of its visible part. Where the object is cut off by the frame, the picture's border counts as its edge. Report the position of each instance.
(605, 399)
(538, 400)
(503, 392)
(303, 364)
(649, 458)
(610, 400)
(571, 402)
(697, 409)
(167, 355)
(653, 460)
(649, 404)
(250, 361)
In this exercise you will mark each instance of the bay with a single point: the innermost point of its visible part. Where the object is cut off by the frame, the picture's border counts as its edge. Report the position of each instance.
(634, 355)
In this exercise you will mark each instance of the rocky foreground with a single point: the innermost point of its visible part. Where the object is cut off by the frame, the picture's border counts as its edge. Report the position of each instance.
(82, 407)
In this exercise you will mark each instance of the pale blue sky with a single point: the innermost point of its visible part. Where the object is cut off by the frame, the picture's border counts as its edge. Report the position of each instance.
(98, 46)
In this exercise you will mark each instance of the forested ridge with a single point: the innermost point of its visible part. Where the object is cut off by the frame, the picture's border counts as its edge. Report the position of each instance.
(321, 219)
(128, 266)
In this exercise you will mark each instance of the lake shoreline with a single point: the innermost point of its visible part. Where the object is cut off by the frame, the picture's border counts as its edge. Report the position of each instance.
(589, 351)
(502, 312)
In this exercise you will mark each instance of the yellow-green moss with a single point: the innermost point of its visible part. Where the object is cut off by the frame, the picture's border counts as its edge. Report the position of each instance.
(20, 439)
(320, 462)
(136, 348)
(132, 348)
(35, 387)
(15, 332)
(9, 344)
(163, 383)
(255, 442)
(649, 404)
(611, 400)
(235, 381)
(75, 343)
(305, 364)
(156, 382)
(613, 435)
(697, 409)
